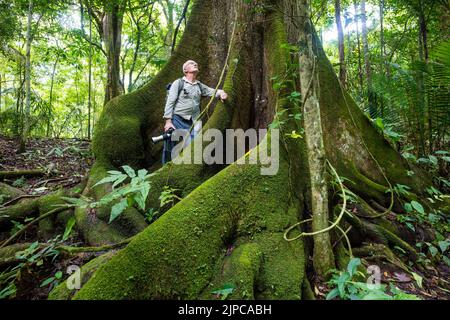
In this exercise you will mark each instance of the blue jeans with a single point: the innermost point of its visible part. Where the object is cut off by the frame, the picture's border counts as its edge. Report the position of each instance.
(179, 123)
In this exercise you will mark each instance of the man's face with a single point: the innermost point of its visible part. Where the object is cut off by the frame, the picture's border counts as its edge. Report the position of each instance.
(192, 68)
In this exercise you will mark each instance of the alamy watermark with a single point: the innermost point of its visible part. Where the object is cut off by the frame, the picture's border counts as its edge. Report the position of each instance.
(213, 146)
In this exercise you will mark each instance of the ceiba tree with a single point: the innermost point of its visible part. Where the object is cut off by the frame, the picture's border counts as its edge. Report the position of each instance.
(230, 226)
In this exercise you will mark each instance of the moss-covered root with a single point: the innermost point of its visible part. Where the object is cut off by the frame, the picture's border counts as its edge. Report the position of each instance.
(67, 289)
(179, 254)
(307, 292)
(34, 207)
(378, 251)
(8, 192)
(18, 212)
(253, 270)
(8, 254)
(283, 270)
(239, 272)
(381, 232)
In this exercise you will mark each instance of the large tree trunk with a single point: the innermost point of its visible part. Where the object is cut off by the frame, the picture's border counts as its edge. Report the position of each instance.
(230, 225)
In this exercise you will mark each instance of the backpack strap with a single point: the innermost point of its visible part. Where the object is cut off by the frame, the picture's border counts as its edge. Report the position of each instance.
(180, 86)
(200, 87)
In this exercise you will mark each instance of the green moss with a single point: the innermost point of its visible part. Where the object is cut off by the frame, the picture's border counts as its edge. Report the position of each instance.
(307, 292)
(8, 192)
(239, 270)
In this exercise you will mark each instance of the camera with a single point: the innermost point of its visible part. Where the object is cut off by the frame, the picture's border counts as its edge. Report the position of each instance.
(165, 136)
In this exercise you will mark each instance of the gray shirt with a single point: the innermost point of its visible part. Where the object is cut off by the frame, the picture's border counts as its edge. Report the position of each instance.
(187, 104)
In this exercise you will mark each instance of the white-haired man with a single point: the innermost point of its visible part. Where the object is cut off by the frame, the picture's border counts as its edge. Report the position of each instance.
(183, 103)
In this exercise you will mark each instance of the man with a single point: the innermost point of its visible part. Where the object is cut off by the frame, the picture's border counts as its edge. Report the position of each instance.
(183, 107)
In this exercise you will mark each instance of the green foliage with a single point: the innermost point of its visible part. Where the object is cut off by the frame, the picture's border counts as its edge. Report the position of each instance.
(53, 281)
(123, 195)
(32, 257)
(69, 227)
(224, 292)
(168, 196)
(19, 183)
(347, 288)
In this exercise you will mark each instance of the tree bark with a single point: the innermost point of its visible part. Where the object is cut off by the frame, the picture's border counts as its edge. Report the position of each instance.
(341, 44)
(368, 67)
(323, 254)
(50, 99)
(26, 121)
(360, 72)
(112, 32)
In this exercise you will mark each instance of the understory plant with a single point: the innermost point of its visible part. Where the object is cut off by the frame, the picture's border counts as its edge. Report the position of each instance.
(346, 286)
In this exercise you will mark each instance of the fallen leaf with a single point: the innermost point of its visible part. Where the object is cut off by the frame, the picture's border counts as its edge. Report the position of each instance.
(402, 277)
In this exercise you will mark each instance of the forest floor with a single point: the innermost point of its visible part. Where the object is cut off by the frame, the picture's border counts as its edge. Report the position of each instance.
(67, 161)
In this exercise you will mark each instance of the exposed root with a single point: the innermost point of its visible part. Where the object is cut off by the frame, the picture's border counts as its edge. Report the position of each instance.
(21, 231)
(20, 173)
(376, 251)
(381, 235)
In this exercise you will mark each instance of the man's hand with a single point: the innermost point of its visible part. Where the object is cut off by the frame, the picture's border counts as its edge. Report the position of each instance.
(168, 125)
(223, 95)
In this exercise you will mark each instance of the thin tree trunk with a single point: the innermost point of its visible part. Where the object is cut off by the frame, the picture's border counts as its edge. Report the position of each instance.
(423, 30)
(341, 44)
(323, 257)
(372, 107)
(112, 31)
(382, 52)
(427, 113)
(360, 72)
(183, 17)
(420, 112)
(50, 99)
(26, 126)
(90, 78)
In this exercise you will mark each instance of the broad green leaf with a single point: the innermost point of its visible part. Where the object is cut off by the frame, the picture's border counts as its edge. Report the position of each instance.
(408, 207)
(446, 260)
(142, 173)
(353, 265)
(130, 172)
(443, 245)
(377, 295)
(433, 250)
(58, 275)
(69, 227)
(333, 294)
(417, 206)
(418, 279)
(117, 209)
(119, 180)
(106, 180)
(46, 282)
(114, 172)
(225, 291)
(139, 200)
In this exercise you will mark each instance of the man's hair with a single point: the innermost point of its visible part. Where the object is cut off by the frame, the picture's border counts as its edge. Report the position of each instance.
(188, 63)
